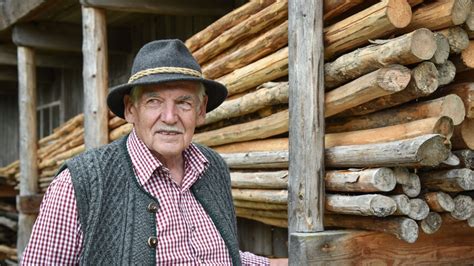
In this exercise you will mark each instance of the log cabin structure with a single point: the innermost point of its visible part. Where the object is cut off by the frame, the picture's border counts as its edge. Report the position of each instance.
(316, 90)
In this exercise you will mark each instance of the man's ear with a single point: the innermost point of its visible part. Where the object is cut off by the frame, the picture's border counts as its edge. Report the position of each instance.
(129, 110)
(202, 111)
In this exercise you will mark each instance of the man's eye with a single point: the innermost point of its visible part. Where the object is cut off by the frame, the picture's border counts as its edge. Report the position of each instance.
(152, 102)
(185, 105)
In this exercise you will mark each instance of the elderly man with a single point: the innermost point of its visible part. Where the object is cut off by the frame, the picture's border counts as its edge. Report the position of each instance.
(152, 197)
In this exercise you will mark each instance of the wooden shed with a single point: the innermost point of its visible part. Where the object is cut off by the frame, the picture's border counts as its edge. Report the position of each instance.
(348, 130)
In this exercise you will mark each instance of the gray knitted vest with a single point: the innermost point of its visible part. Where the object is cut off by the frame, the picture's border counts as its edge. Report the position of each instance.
(112, 206)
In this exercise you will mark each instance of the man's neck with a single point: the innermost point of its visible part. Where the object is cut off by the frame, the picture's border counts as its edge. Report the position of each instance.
(175, 165)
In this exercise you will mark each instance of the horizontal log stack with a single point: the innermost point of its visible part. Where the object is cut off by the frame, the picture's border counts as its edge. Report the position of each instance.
(398, 105)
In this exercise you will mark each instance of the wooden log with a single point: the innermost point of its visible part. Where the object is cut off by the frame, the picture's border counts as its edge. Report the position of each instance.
(261, 195)
(268, 68)
(458, 39)
(442, 49)
(364, 180)
(410, 187)
(424, 81)
(245, 212)
(407, 49)
(403, 204)
(453, 180)
(376, 21)
(470, 221)
(224, 23)
(267, 95)
(382, 82)
(256, 23)
(403, 228)
(439, 15)
(419, 210)
(28, 183)
(66, 128)
(466, 158)
(365, 205)
(176, 7)
(462, 136)
(95, 76)
(439, 201)
(275, 144)
(466, 92)
(260, 205)
(249, 52)
(446, 73)
(257, 160)
(120, 131)
(432, 223)
(435, 125)
(428, 150)
(115, 122)
(67, 142)
(260, 180)
(469, 23)
(258, 129)
(402, 175)
(450, 105)
(463, 207)
(278, 222)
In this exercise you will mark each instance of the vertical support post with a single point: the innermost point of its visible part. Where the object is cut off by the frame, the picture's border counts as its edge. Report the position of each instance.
(306, 107)
(28, 140)
(95, 75)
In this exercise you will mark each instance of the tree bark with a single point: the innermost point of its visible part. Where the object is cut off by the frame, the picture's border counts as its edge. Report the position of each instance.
(407, 49)
(382, 82)
(366, 180)
(458, 39)
(275, 144)
(462, 136)
(248, 52)
(334, 8)
(364, 205)
(466, 158)
(466, 92)
(254, 24)
(260, 205)
(424, 81)
(450, 105)
(270, 94)
(260, 180)
(226, 22)
(268, 68)
(453, 180)
(377, 21)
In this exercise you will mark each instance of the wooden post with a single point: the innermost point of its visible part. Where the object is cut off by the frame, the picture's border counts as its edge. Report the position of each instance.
(28, 149)
(95, 75)
(306, 126)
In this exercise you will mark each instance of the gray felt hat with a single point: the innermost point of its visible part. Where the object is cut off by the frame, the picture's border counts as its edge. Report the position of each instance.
(164, 61)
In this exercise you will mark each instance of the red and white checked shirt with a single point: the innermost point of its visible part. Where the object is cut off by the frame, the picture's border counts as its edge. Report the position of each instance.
(186, 234)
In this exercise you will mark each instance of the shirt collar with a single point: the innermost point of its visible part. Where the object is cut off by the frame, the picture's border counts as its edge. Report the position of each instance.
(145, 163)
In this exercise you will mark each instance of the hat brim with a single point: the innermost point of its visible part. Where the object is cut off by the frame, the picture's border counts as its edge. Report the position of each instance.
(216, 92)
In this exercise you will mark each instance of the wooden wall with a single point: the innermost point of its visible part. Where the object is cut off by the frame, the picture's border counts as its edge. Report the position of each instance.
(9, 128)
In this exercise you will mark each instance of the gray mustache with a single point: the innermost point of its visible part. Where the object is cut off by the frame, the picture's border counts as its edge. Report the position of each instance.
(170, 128)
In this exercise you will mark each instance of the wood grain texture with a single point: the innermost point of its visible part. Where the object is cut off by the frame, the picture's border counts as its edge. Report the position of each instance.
(306, 128)
(95, 75)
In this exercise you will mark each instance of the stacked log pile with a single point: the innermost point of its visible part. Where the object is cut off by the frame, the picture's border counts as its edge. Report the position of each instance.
(398, 106)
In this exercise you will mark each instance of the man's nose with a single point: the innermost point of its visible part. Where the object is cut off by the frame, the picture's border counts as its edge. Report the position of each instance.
(169, 113)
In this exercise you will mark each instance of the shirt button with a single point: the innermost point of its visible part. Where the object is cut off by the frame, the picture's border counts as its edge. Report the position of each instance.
(152, 207)
(152, 241)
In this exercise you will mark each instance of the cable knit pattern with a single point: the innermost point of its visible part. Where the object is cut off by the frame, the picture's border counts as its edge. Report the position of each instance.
(112, 206)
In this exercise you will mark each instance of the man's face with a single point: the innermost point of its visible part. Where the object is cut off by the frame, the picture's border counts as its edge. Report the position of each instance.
(165, 116)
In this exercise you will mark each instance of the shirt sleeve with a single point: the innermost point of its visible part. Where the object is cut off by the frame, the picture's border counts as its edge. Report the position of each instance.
(56, 238)
(248, 258)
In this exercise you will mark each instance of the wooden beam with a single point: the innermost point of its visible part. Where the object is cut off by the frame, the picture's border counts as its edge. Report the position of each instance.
(452, 244)
(306, 126)
(28, 139)
(164, 7)
(12, 10)
(64, 37)
(10, 73)
(95, 75)
(8, 57)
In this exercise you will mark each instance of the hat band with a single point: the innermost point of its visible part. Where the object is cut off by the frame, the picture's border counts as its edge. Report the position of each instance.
(164, 70)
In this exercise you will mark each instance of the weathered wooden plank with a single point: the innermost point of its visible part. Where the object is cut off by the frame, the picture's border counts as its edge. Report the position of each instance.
(306, 126)
(64, 37)
(452, 244)
(12, 11)
(28, 139)
(164, 7)
(8, 57)
(95, 75)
